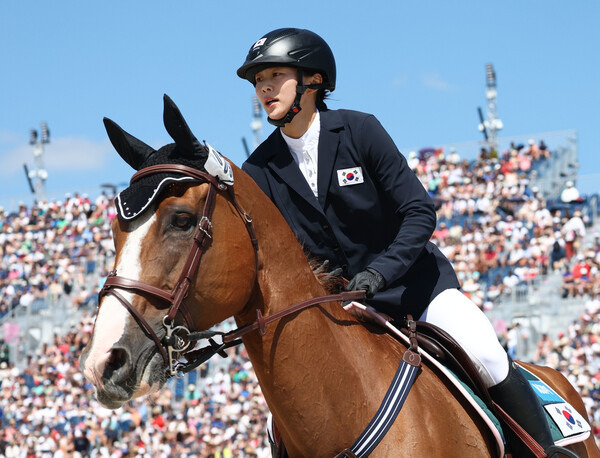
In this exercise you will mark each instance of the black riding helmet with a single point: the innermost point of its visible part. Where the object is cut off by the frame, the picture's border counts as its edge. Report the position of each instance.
(299, 48)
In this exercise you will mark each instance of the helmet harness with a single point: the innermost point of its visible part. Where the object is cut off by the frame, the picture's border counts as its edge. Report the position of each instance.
(295, 108)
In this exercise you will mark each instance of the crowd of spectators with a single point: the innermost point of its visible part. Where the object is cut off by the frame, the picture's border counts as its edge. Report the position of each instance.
(575, 352)
(496, 229)
(501, 233)
(48, 409)
(48, 248)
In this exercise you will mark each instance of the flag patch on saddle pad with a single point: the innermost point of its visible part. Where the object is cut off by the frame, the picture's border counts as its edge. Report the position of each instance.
(347, 177)
(568, 420)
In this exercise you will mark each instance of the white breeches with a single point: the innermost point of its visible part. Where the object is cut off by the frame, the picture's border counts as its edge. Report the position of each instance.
(456, 314)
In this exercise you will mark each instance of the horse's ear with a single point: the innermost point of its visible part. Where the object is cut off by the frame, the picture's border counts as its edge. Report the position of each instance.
(179, 130)
(133, 151)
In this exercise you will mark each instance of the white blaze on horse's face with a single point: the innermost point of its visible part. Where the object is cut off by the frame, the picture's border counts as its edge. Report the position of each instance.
(112, 319)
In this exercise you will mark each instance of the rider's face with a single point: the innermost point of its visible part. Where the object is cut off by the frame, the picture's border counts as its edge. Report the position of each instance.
(276, 90)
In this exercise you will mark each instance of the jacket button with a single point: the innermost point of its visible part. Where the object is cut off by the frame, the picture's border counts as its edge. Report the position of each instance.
(336, 249)
(325, 227)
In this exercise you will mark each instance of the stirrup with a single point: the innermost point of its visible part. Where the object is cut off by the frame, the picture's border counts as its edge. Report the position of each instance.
(558, 451)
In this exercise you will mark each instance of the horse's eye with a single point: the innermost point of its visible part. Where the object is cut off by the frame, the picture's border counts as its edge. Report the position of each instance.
(183, 221)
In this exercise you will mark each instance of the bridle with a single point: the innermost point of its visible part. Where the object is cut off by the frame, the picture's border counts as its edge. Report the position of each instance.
(178, 339)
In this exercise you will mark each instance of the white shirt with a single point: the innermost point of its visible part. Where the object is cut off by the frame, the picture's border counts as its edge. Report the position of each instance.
(576, 225)
(305, 151)
(569, 194)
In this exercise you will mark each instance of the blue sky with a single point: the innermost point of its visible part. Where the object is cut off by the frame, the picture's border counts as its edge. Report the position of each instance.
(418, 66)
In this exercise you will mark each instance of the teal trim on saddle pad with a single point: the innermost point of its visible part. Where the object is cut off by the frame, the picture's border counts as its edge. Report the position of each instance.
(481, 404)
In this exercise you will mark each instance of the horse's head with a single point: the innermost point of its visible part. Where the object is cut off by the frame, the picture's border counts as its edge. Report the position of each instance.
(178, 229)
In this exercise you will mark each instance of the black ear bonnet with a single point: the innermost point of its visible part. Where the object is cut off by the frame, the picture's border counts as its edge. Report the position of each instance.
(186, 150)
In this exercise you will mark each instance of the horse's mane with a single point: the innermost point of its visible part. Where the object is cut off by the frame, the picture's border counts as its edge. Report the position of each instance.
(332, 280)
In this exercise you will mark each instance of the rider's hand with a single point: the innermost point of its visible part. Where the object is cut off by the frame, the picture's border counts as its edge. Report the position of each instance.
(369, 280)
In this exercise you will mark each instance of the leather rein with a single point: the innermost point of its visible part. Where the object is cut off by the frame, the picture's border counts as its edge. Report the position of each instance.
(179, 340)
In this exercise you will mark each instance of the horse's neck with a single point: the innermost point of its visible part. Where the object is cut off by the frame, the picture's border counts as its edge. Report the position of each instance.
(284, 274)
(305, 357)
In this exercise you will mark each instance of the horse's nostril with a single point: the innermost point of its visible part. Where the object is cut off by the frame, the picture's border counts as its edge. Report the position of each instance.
(117, 355)
(117, 364)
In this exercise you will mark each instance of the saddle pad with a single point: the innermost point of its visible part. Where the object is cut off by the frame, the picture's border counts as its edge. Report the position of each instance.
(478, 405)
(567, 425)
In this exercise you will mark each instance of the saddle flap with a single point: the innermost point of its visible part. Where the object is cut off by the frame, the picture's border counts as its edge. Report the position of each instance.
(439, 344)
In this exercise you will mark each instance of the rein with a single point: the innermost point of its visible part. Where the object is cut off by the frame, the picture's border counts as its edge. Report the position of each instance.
(233, 338)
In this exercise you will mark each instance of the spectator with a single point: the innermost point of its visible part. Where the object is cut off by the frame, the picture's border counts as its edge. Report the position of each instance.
(82, 298)
(574, 231)
(81, 443)
(512, 339)
(453, 157)
(413, 160)
(570, 194)
(545, 346)
(4, 352)
(557, 253)
(511, 280)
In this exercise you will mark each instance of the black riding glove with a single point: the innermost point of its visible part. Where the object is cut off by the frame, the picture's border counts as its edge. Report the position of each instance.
(369, 280)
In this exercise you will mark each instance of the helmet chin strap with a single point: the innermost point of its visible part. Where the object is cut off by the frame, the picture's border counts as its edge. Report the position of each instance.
(295, 108)
(293, 111)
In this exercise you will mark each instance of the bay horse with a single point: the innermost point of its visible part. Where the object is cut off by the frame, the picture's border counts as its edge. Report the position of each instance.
(193, 250)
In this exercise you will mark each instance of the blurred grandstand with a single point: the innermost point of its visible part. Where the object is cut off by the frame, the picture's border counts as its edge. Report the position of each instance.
(522, 209)
(517, 245)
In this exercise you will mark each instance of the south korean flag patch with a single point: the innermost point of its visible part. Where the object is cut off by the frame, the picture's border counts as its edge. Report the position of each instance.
(569, 421)
(259, 43)
(348, 177)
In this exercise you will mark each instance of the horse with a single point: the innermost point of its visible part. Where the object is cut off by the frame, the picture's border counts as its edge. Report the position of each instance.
(195, 250)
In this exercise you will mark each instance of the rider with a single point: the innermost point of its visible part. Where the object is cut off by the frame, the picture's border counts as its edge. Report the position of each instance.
(350, 197)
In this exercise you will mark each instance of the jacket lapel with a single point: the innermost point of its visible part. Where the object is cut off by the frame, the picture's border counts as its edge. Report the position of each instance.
(283, 164)
(329, 139)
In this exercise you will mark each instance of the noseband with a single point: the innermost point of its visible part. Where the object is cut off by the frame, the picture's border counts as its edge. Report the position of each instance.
(178, 339)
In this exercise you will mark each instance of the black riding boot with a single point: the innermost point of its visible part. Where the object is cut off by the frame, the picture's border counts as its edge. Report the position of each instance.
(517, 399)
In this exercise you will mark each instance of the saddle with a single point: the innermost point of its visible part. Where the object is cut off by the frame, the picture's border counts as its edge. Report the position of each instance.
(445, 349)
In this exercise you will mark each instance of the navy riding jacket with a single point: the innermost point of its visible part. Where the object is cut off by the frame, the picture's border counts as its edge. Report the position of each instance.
(371, 211)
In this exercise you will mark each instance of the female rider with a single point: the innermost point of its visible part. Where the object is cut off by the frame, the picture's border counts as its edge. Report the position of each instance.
(350, 197)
